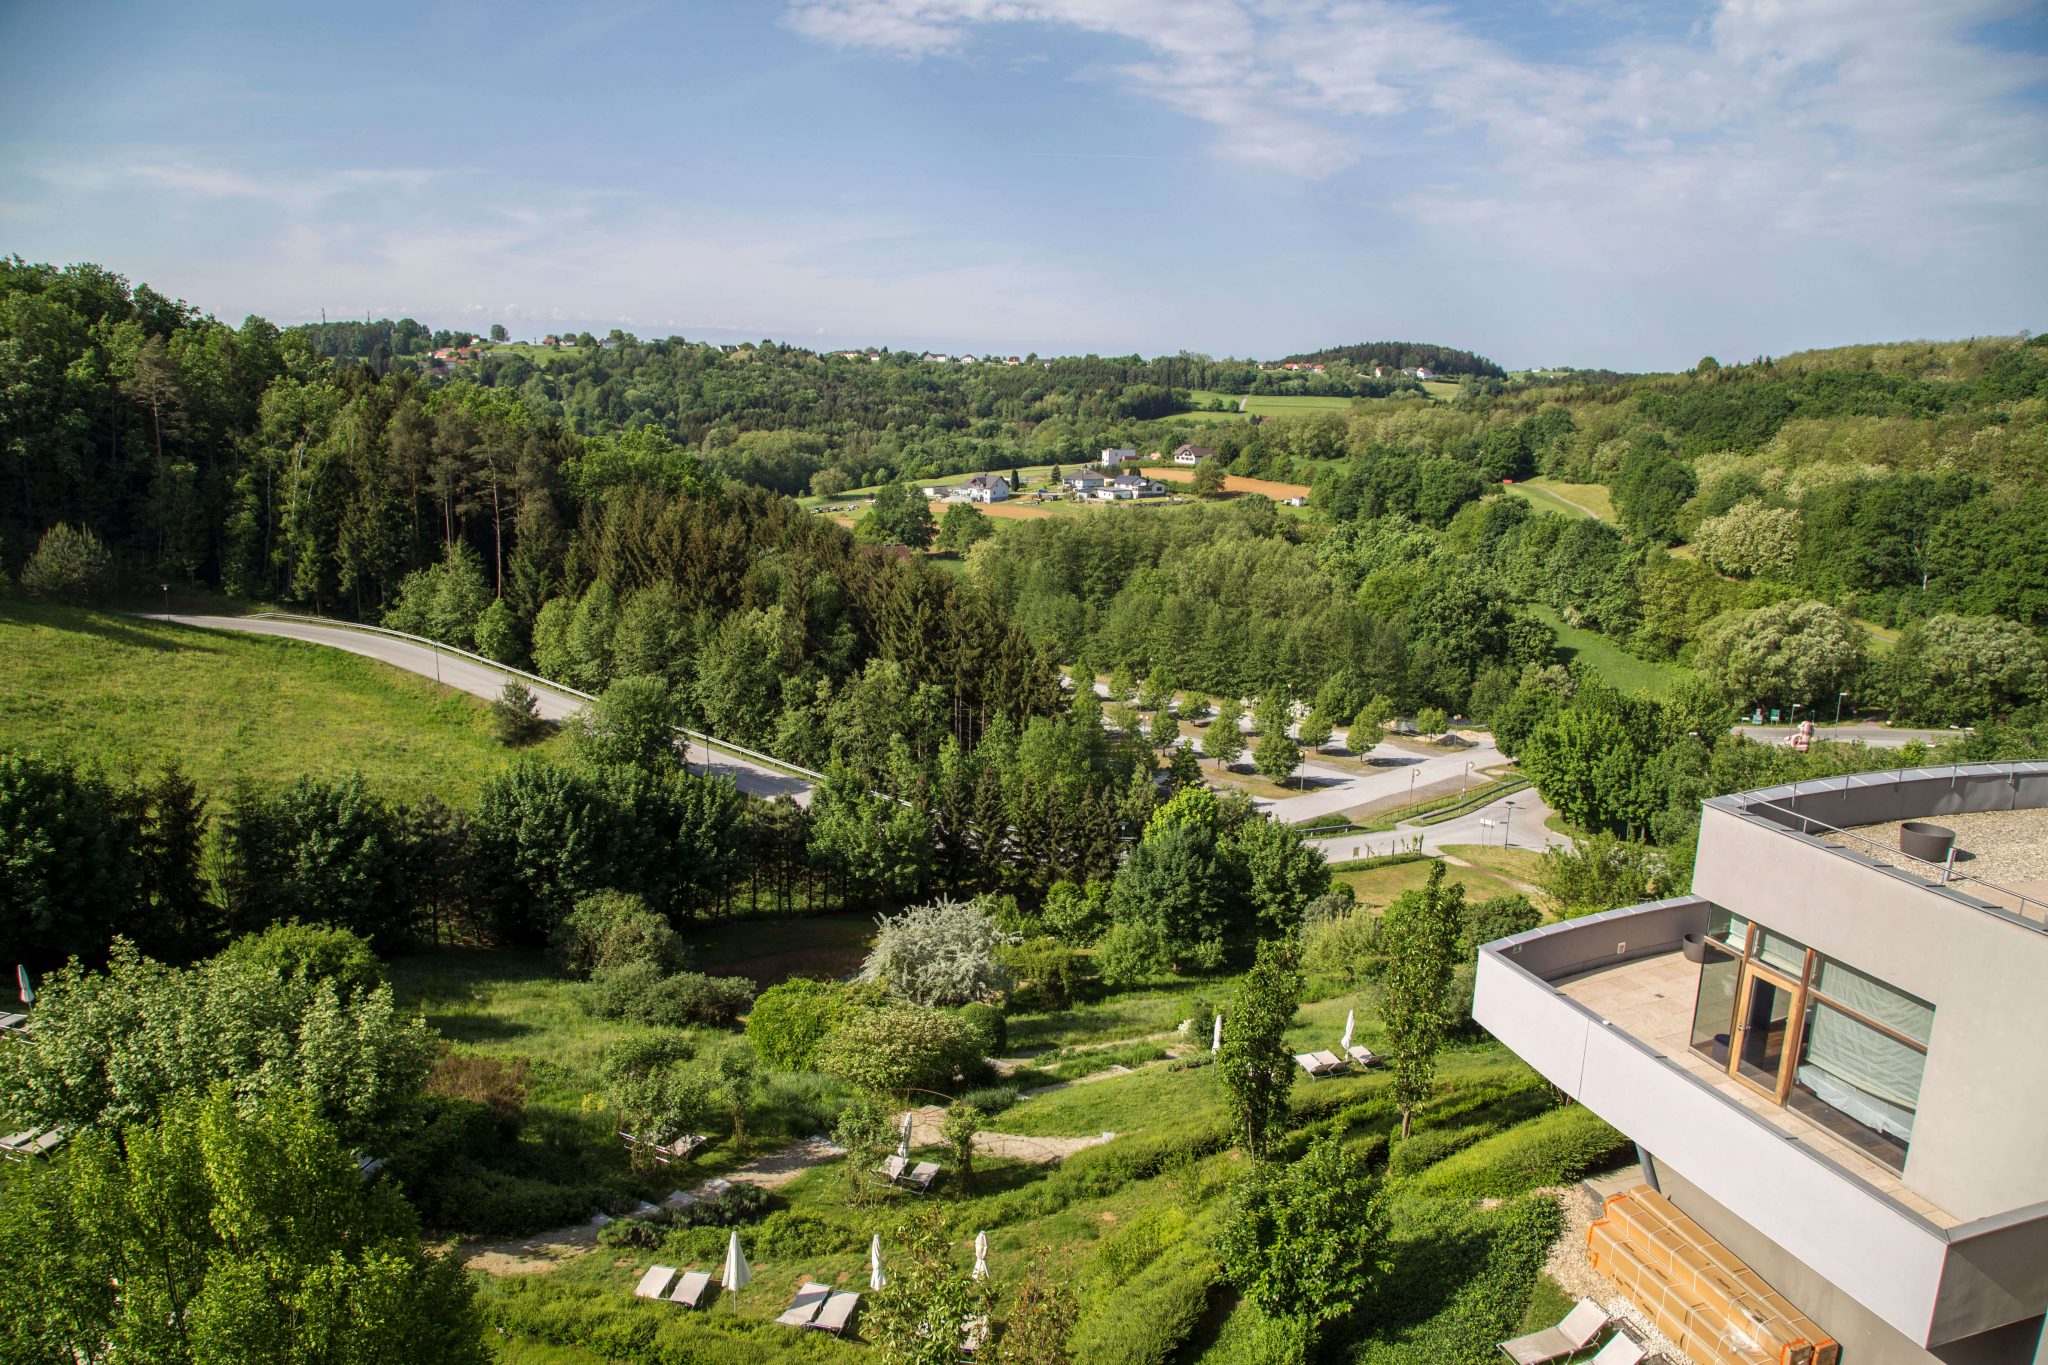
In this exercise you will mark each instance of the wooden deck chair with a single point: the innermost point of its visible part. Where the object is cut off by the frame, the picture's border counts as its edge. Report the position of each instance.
(690, 1289)
(810, 1297)
(1365, 1056)
(1569, 1337)
(837, 1312)
(654, 1284)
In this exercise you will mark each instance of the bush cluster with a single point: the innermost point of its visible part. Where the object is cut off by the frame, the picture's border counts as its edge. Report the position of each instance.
(1551, 1149)
(640, 992)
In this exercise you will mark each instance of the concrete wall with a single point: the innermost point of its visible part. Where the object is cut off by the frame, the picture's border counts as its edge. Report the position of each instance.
(1978, 1142)
(1877, 1252)
(1865, 1337)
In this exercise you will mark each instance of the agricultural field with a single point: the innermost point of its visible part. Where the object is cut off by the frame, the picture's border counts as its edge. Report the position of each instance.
(1260, 405)
(1619, 667)
(130, 694)
(1233, 483)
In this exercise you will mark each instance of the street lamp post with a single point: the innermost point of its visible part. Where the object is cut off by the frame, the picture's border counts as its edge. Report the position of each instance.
(1507, 826)
(1466, 785)
(1411, 788)
(1839, 696)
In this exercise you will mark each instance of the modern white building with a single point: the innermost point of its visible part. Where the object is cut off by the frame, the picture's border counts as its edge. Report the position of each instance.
(1125, 487)
(1110, 459)
(986, 488)
(1830, 1056)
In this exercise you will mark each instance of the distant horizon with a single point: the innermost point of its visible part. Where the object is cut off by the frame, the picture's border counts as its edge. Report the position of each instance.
(1599, 183)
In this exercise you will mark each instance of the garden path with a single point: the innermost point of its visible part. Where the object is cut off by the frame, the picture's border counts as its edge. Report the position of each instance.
(925, 1123)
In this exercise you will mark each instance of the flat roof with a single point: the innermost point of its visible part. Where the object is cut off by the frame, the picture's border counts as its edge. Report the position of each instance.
(1651, 999)
(2005, 848)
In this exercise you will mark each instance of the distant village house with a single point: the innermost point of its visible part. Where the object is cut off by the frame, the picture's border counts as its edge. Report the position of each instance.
(1191, 454)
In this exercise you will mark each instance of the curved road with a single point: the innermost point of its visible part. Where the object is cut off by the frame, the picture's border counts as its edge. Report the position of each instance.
(481, 680)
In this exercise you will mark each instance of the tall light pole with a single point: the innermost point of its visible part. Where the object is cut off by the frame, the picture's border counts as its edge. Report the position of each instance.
(1464, 786)
(1839, 696)
(1507, 825)
(1411, 786)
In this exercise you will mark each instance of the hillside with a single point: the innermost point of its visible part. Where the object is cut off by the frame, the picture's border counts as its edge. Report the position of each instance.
(1404, 355)
(132, 695)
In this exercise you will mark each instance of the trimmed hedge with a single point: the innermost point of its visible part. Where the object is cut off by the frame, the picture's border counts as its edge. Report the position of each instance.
(1492, 1260)
(1146, 1321)
(1551, 1149)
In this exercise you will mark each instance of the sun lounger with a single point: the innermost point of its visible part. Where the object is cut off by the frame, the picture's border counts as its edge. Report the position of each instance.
(837, 1312)
(1365, 1056)
(1569, 1337)
(898, 1171)
(690, 1289)
(804, 1307)
(973, 1334)
(892, 1169)
(1319, 1063)
(654, 1284)
(32, 1142)
(682, 1149)
(13, 1023)
(1621, 1349)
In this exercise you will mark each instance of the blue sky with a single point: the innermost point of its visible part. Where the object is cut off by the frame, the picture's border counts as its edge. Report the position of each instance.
(1585, 182)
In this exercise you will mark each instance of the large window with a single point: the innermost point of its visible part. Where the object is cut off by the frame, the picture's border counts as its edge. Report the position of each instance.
(1815, 1034)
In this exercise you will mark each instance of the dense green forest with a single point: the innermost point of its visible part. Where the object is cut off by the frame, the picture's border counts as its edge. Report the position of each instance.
(1859, 525)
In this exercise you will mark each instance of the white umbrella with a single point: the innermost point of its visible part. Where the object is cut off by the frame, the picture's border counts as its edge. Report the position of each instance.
(28, 992)
(1216, 1035)
(980, 1255)
(903, 1147)
(876, 1279)
(737, 1272)
(1350, 1019)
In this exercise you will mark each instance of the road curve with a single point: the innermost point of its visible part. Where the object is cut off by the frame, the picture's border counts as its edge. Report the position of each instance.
(482, 680)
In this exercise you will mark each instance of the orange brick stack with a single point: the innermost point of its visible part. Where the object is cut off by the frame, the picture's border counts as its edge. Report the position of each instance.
(1712, 1306)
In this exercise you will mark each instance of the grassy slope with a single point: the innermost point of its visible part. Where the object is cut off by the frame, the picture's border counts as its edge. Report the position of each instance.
(1580, 500)
(1377, 887)
(132, 695)
(1607, 658)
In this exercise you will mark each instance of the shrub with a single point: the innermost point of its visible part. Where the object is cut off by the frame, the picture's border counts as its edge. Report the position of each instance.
(790, 1020)
(1048, 974)
(612, 929)
(314, 951)
(1462, 1282)
(1345, 945)
(69, 565)
(1501, 917)
(788, 1235)
(897, 1047)
(943, 953)
(986, 1029)
(740, 1203)
(498, 1084)
(1147, 1321)
(1076, 914)
(1551, 1149)
(990, 1099)
(637, 1233)
(516, 715)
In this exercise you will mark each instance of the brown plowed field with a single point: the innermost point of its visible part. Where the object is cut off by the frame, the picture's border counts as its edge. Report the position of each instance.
(1234, 484)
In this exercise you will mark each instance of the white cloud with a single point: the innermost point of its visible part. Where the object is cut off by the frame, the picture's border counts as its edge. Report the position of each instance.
(1880, 129)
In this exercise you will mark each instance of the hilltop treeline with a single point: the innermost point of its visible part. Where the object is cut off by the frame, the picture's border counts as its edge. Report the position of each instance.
(1406, 355)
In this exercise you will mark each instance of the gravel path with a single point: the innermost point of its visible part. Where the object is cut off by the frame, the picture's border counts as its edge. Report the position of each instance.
(924, 1132)
(1574, 1273)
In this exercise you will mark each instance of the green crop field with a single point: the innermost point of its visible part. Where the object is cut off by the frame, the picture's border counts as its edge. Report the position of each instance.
(132, 695)
(1261, 405)
(1619, 667)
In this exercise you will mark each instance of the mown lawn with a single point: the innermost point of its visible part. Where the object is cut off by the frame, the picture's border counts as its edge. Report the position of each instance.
(1581, 500)
(130, 694)
(1379, 886)
(1619, 667)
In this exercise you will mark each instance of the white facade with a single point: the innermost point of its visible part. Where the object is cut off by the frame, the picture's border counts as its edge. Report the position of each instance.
(1110, 459)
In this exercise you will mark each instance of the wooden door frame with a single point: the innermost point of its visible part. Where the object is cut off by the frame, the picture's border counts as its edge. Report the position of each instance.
(1795, 1024)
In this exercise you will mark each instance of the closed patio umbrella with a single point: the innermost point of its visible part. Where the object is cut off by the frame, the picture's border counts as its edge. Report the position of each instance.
(876, 1279)
(903, 1147)
(28, 992)
(737, 1272)
(1216, 1035)
(980, 1255)
(1350, 1019)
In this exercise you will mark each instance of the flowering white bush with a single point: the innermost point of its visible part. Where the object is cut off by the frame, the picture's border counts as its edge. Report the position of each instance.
(943, 953)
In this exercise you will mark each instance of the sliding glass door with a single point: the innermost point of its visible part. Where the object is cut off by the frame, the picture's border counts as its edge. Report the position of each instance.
(1765, 1020)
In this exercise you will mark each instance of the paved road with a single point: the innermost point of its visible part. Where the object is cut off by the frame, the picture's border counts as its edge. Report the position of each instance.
(1495, 824)
(481, 680)
(1341, 789)
(1876, 736)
